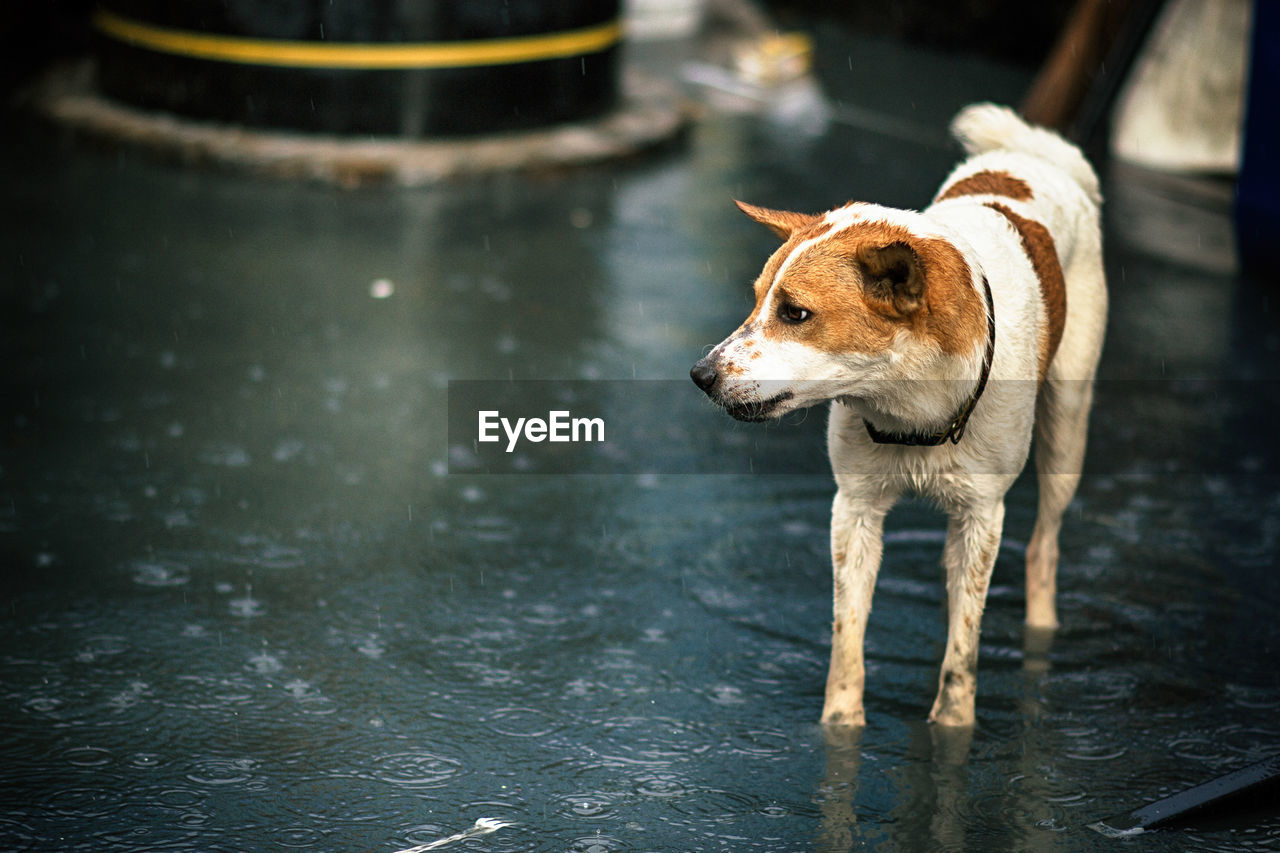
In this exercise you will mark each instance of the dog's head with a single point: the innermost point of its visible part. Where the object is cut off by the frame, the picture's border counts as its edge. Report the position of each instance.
(855, 296)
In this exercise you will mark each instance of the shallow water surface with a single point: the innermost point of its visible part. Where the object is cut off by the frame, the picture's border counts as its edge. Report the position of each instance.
(248, 606)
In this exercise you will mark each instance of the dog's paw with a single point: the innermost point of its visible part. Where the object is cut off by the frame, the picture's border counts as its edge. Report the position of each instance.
(843, 717)
(959, 714)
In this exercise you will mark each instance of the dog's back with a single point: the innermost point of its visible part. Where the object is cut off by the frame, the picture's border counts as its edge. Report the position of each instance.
(1049, 195)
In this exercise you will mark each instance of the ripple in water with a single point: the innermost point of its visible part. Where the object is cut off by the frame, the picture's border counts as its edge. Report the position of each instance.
(102, 646)
(275, 556)
(1089, 744)
(522, 722)
(372, 647)
(716, 805)
(218, 772)
(425, 833)
(298, 837)
(309, 699)
(661, 787)
(265, 663)
(88, 756)
(654, 741)
(725, 694)
(416, 769)
(181, 798)
(160, 573)
(597, 843)
(1199, 748)
(42, 704)
(761, 743)
(1253, 698)
(1092, 691)
(130, 696)
(248, 607)
(299, 689)
(596, 806)
(84, 802)
(17, 835)
(346, 799)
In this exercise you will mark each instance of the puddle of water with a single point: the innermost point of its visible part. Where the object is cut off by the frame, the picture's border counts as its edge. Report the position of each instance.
(539, 695)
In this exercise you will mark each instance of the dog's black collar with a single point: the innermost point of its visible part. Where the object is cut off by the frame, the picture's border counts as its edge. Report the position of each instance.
(955, 430)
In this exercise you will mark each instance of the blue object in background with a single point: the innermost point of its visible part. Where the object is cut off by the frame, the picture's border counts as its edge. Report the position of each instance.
(1258, 189)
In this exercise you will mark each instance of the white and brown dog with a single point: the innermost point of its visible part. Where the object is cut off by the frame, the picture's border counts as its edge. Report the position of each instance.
(944, 338)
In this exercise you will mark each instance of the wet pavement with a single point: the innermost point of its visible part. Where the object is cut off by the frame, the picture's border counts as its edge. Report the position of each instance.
(248, 603)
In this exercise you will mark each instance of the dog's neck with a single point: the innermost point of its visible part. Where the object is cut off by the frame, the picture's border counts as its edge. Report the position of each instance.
(954, 429)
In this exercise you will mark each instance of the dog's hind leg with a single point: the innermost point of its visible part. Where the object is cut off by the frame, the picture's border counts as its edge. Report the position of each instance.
(857, 543)
(1062, 421)
(1062, 416)
(973, 538)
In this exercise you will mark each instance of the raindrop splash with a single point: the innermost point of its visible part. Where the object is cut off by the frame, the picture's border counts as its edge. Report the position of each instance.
(482, 826)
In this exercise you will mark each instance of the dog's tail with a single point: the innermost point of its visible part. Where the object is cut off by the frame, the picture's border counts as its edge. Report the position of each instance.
(988, 127)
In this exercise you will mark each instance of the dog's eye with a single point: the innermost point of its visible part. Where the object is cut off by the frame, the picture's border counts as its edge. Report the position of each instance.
(794, 313)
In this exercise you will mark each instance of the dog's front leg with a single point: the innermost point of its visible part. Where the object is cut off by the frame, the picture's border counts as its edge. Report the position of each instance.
(856, 546)
(973, 537)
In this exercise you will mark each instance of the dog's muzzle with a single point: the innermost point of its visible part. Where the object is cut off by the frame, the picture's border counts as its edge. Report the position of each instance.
(705, 376)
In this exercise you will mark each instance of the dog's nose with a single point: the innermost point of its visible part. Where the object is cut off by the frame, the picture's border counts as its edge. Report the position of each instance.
(703, 374)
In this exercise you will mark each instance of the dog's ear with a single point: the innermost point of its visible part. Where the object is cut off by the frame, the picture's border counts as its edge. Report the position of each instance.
(784, 223)
(893, 275)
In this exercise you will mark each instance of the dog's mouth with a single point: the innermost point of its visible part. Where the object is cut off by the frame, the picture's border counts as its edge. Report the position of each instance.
(755, 411)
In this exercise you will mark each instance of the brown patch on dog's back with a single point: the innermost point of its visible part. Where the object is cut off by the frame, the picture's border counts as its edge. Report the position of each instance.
(1037, 242)
(988, 183)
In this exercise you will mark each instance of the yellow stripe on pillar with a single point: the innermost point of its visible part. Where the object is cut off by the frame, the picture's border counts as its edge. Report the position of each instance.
(358, 55)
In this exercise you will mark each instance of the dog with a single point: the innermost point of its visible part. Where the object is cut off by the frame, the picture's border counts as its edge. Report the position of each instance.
(944, 339)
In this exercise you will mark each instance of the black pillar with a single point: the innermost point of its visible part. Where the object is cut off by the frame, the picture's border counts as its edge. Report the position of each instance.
(387, 67)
